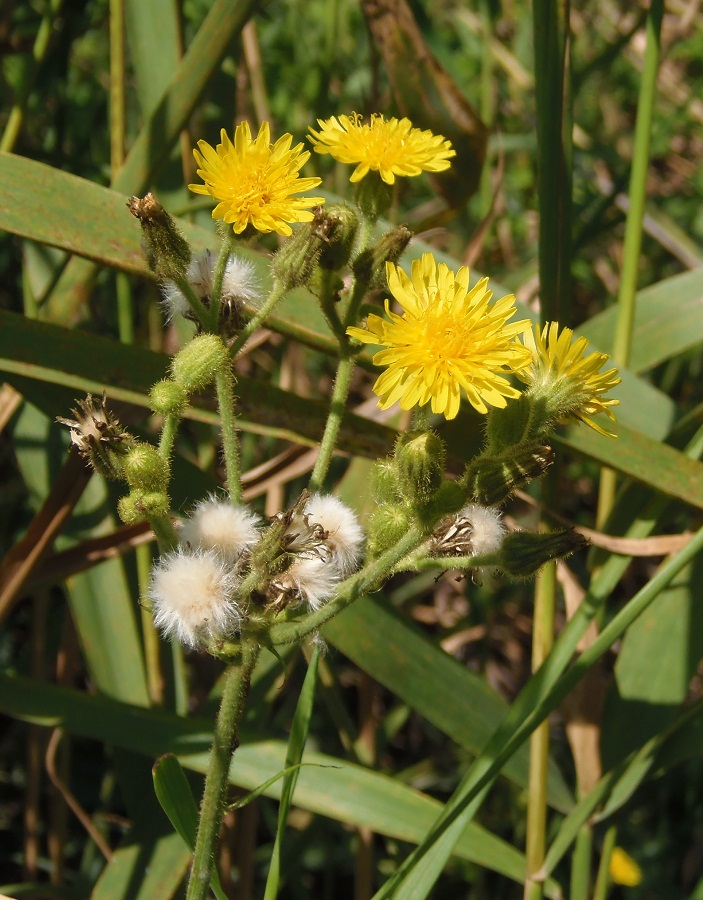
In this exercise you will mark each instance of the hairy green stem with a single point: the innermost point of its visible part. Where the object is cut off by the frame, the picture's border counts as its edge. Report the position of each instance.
(195, 303)
(224, 382)
(223, 747)
(165, 532)
(168, 435)
(277, 292)
(228, 244)
(338, 406)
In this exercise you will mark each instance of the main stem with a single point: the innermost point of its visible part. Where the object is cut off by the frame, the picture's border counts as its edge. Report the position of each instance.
(223, 747)
(224, 382)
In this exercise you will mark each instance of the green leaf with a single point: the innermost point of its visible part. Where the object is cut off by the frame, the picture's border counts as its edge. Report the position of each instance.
(177, 801)
(668, 321)
(450, 696)
(644, 697)
(328, 786)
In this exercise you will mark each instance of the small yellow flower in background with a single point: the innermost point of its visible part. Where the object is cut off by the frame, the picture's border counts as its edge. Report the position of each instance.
(447, 340)
(623, 868)
(391, 147)
(571, 382)
(255, 181)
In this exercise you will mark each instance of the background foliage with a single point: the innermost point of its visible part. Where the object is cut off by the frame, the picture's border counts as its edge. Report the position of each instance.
(418, 678)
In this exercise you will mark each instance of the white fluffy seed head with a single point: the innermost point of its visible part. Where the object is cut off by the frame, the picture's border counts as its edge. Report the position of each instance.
(199, 275)
(312, 579)
(192, 596)
(487, 529)
(345, 536)
(240, 282)
(220, 525)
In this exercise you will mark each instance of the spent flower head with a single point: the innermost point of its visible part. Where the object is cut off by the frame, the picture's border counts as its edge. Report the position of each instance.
(239, 286)
(447, 340)
(192, 594)
(98, 435)
(255, 181)
(221, 525)
(567, 380)
(388, 146)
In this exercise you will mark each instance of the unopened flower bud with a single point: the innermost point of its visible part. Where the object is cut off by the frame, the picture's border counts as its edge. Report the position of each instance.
(420, 458)
(167, 397)
(295, 262)
(196, 365)
(336, 251)
(523, 552)
(387, 525)
(492, 480)
(166, 250)
(370, 265)
(145, 469)
(139, 505)
(384, 481)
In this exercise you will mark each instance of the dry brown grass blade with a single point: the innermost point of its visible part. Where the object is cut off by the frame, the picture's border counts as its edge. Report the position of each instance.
(46, 524)
(426, 93)
(71, 801)
(10, 400)
(583, 708)
(655, 545)
(89, 553)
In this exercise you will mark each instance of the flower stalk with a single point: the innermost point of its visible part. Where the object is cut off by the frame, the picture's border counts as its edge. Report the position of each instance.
(225, 743)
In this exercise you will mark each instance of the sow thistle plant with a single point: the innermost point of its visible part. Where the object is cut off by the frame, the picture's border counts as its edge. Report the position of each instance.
(228, 582)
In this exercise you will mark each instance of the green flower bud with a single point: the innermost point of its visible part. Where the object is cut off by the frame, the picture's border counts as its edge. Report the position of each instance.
(196, 365)
(491, 480)
(524, 552)
(166, 250)
(384, 482)
(420, 458)
(386, 526)
(336, 251)
(295, 262)
(370, 266)
(128, 511)
(145, 469)
(168, 397)
(140, 505)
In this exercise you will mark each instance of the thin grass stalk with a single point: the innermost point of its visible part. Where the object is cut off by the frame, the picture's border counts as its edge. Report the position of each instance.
(553, 111)
(622, 344)
(150, 635)
(223, 747)
(581, 864)
(542, 642)
(600, 891)
(42, 42)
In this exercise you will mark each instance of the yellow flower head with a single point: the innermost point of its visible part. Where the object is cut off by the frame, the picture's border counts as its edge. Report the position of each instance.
(623, 868)
(448, 339)
(571, 383)
(255, 181)
(390, 147)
